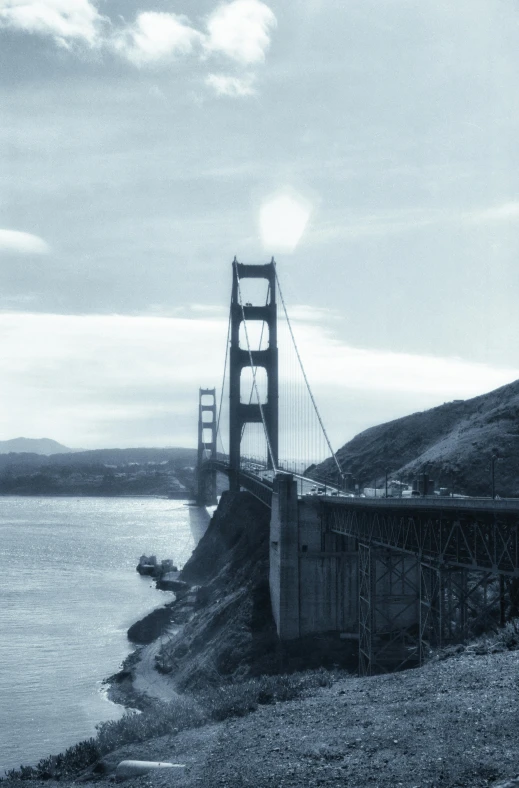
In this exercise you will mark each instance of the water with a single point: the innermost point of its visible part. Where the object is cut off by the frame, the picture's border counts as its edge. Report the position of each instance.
(69, 592)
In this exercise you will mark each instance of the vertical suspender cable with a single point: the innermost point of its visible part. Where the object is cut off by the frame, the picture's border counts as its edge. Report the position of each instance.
(304, 375)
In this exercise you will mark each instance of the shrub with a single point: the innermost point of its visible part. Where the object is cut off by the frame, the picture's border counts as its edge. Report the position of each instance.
(236, 700)
(160, 718)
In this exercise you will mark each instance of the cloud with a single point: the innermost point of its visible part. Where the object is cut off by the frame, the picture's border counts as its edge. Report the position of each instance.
(505, 212)
(240, 30)
(65, 20)
(156, 37)
(103, 379)
(333, 363)
(22, 243)
(235, 87)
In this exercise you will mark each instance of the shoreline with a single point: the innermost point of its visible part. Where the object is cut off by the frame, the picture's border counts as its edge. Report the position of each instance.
(138, 683)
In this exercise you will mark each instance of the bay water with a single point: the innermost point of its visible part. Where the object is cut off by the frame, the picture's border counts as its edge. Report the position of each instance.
(69, 592)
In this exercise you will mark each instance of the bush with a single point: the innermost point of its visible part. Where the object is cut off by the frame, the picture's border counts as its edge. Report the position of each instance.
(160, 719)
(236, 700)
(72, 761)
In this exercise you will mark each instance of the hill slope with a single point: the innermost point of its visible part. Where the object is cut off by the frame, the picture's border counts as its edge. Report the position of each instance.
(453, 443)
(45, 446)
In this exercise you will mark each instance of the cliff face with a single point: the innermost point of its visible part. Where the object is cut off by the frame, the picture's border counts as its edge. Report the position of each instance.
(232, 633)
(453, 443)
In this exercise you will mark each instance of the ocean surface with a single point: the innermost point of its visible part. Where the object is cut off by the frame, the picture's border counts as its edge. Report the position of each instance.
(69, 591)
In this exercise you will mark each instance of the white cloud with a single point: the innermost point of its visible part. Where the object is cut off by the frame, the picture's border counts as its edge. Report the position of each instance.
(94, 378)
(505, 212)
(332, 363)
(22, 243)
(64, 20)
(156, 37)
(224, 85)
(240, 30)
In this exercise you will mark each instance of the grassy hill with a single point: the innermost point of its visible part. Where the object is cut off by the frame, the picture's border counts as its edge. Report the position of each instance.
(453, 443)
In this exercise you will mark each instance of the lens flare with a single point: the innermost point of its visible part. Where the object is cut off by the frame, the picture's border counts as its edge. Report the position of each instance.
(283, 219)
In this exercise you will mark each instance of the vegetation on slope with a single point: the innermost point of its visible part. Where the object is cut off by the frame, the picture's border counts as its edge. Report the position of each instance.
(453, 443)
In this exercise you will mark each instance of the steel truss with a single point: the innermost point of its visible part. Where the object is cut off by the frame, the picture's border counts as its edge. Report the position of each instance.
(483, 539)
(389, 593)
(427, 577)
(408, 608)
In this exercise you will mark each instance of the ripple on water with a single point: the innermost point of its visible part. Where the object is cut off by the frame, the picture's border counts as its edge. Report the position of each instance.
(69, 593)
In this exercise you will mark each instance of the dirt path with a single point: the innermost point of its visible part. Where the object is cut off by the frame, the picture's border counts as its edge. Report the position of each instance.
(146, 679)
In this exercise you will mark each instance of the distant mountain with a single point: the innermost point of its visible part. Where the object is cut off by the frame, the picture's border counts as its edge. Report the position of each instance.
(453, 443)
(34, 446)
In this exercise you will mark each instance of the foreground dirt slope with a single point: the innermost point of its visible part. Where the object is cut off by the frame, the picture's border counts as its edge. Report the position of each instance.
(453, 442)
(451, 723)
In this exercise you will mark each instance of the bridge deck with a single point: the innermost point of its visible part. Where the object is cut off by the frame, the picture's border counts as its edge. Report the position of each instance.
(481, 534)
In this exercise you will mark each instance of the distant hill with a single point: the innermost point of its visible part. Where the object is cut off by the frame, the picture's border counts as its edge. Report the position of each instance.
(453, 443)
(140, 471)
(45, 446)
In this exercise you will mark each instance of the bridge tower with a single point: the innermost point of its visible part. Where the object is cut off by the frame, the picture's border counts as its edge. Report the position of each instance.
(241, 413)
(206, 474)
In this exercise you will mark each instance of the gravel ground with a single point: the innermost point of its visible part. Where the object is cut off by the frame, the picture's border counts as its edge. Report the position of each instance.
(451, 723)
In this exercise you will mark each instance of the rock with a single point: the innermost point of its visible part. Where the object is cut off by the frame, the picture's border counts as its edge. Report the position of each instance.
(169, 582)
(127, 769)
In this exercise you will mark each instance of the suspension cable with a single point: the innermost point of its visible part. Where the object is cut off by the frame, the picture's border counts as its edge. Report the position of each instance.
(223, 381)
(304, 374)
(253, 368)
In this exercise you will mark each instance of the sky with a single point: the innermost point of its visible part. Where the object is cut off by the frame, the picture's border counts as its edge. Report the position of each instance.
(370, 147)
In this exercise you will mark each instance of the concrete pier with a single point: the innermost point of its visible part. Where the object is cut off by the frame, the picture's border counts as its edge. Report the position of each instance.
(313, 573)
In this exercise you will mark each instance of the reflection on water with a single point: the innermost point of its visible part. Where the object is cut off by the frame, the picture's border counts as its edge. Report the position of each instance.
(69, 593)
(199, 517)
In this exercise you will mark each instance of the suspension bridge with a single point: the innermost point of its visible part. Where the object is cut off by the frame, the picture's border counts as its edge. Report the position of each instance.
(400, 576)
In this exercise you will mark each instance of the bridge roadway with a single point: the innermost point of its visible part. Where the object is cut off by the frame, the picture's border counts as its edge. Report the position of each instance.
(481, 534)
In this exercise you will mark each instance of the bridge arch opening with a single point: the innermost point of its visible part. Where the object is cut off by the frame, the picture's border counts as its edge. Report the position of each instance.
(258, 333)
(207, 436)
(253, 448)
(207, 416)
(248, 391)
(254, 292)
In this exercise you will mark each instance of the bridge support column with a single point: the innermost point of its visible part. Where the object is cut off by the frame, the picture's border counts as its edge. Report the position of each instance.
(206, 474)
(431, 608)
(242, 413)
(284, 557)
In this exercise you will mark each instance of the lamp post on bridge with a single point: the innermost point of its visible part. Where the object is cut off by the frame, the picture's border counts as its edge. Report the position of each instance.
(493, 461)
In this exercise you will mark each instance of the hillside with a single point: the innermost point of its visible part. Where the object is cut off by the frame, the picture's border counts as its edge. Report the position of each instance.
(45, 446)
(453, 443)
